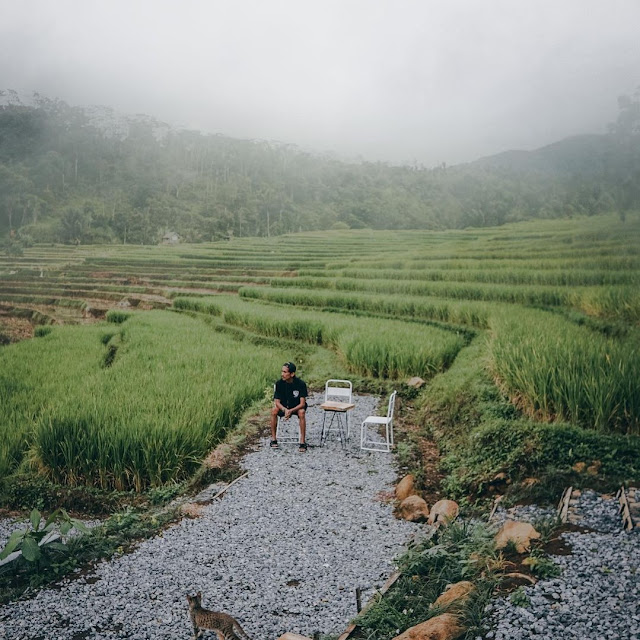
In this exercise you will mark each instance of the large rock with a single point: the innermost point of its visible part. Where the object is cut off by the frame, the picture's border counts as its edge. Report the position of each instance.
(292, 636)
(414, 509)
(444, 512)
(521, 533)
(454, 596)
(405, 488)
(443, 627)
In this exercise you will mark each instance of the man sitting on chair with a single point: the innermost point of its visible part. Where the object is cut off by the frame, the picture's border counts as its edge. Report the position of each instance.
(290, 398)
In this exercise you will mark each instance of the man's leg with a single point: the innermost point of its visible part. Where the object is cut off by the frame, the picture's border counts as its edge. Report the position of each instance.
(303, 425)
(274, 422)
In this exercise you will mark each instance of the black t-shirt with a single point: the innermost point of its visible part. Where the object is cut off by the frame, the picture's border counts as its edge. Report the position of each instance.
(289, 393)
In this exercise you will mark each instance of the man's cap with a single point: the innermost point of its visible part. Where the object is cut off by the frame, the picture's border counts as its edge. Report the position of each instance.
(290, 366)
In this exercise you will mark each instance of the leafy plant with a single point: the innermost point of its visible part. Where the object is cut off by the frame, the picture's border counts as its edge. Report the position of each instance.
(520, 598)
(32, 542)
(542, 566)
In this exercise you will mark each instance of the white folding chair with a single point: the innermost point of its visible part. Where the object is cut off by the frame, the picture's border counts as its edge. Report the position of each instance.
(286, 431)
(340, 391)
(369, 428)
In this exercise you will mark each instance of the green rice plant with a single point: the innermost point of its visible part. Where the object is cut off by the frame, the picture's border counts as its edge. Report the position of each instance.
(535, 272)
(618, 303)
(539, 295)
(558, 370)
(173, 391)
(43, 300)
(369, 346)
(40, 332)
(392, 349)
(474, 314)
(117, 316)
(480, 434)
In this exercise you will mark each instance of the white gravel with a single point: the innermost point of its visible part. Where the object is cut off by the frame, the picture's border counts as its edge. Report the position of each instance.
(282, 550)
(597, 594)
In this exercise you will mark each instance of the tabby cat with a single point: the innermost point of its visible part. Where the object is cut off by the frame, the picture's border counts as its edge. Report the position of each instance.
(225, 627)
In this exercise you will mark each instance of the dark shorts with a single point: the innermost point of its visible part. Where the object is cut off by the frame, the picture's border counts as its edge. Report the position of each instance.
(294, 413)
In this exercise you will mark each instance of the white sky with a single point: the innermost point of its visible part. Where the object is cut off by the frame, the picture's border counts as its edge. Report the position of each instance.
(400, 81)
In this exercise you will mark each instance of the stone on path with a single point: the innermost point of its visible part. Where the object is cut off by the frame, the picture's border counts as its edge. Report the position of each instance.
(443, 627)
(444, 512)
(405, 488)
(521, 533)
(414, 509)
(454, 596)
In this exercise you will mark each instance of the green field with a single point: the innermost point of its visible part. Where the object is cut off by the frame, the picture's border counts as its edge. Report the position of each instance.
(550, 311)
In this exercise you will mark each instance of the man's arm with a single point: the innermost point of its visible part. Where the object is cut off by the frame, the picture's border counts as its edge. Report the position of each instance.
(289, 412)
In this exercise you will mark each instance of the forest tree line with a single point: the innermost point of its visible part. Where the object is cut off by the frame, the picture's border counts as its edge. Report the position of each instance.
(64, 178)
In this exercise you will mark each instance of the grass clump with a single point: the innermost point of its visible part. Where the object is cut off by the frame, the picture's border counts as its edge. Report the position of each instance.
(116, 316)
(519, 598)
(462, 551)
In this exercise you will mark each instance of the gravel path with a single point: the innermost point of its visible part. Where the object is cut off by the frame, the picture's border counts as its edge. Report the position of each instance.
(283, 550)
(597, 594)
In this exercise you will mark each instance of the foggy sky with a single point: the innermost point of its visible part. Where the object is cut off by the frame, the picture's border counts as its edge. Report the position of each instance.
(402, 81)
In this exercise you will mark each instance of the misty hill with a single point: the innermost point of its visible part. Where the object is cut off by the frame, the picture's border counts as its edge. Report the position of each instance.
(76, 174)
(584, 155)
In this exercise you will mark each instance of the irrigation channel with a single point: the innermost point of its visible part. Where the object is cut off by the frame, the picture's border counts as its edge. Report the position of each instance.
(283, 549)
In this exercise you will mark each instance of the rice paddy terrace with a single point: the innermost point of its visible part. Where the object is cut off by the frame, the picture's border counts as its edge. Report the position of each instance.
(549, 310)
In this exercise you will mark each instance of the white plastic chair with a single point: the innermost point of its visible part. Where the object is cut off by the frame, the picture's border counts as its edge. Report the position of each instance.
(369, 444)
(286, 431)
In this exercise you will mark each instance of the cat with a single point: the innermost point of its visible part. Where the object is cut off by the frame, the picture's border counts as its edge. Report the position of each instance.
(224, 626)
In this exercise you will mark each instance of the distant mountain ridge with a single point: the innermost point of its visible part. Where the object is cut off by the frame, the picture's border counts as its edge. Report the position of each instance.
(582, 154)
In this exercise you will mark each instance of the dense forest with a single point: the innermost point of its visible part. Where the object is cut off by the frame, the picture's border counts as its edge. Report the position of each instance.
(67, 175)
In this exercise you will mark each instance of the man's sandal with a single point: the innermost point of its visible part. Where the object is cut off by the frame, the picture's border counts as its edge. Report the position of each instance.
(302, 447)
(274, 444)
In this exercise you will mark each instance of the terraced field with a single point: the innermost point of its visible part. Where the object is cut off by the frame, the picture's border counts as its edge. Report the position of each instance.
(551, 310)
